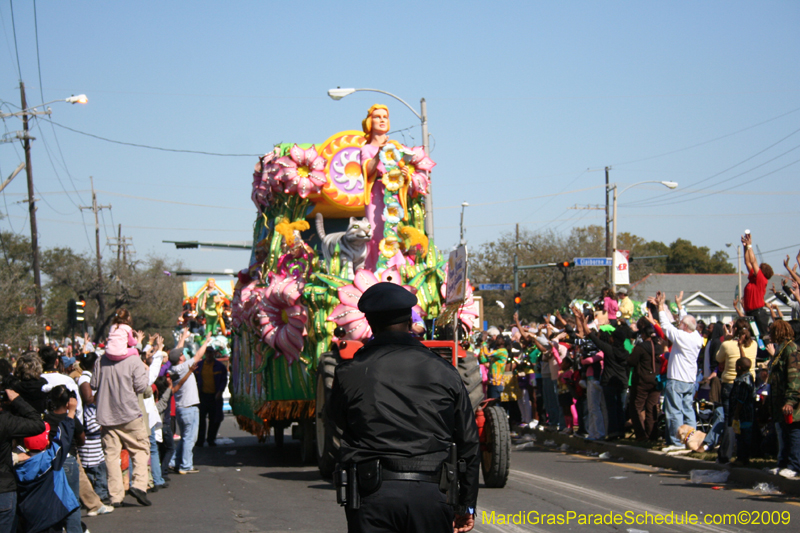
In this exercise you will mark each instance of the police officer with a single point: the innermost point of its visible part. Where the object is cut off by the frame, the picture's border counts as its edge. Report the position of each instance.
(400, 407)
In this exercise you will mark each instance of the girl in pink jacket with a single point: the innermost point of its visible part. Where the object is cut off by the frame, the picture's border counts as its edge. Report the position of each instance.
(121, 343)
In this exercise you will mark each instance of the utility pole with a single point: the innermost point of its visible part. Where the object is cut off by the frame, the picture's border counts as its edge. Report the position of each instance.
(608, 236)
(122, 244)
(516, 261)
(37, 276)
(101, 305)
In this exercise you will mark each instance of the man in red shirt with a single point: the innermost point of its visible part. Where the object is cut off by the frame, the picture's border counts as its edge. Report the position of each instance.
(756, 288)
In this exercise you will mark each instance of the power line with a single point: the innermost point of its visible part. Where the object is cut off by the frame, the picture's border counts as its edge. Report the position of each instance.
(55, 137)
(148, 146)
(734, 186)
(672, 196)
(173, 202)
(710, 141)
(16, 49)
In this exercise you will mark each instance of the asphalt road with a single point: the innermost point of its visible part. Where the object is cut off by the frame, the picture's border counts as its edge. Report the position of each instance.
(248, 487)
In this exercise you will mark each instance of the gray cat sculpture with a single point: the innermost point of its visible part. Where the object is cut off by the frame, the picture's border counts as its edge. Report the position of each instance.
(352, 242)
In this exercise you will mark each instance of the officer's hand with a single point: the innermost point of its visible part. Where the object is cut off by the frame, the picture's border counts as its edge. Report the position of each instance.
(463, 523)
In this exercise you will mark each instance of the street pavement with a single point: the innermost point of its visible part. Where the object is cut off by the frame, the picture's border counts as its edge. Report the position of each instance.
(247, 487)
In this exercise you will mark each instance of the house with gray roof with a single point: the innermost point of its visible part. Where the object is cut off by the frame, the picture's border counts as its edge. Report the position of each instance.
(709, 297)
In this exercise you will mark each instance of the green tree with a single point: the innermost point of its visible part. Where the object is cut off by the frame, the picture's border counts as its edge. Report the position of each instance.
(686, 258)
(18, 324)
(550, 288)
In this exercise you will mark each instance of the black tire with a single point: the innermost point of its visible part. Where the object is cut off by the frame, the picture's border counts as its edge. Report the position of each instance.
(496, 456)
(470, 373)
(327, 435)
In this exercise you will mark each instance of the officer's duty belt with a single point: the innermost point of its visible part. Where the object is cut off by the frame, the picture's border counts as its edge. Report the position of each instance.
(429, 477)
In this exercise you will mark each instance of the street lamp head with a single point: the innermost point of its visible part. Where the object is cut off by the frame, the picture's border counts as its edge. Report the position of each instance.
(339, 93)
(464, 204)
(670, 184)
(79, 99)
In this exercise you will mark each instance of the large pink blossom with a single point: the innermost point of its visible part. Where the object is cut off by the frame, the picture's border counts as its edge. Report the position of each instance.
(302, 171)
(265, 182)
(281, 318)
(347, 314)
(244, 306)
(419, 164)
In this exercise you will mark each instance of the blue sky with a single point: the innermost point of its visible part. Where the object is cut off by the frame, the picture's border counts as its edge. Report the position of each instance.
(525, 99)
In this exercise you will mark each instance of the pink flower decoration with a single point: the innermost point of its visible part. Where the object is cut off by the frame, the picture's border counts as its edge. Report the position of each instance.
(265, 183)
(347, 314)
(302, 171)
(245, 303)
(419, 164)
(281, 319)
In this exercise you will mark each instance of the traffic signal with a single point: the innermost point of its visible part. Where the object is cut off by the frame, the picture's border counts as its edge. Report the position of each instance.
(75, 312)
(80, 307)
(517, 301)
(523, 284)
(71, 313)
(564, 265)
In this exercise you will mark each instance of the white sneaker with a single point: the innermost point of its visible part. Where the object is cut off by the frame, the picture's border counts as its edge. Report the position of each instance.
(103, 509)
(788, 473)
(773, 471)
(673, 448)
(533, 424)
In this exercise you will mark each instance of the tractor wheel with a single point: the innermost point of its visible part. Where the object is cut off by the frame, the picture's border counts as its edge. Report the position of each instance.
(470, 373)
(496, 456)
(328, 437)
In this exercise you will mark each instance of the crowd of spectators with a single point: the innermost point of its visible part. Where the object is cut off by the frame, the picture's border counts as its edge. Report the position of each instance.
(84, 426)
(601, 372)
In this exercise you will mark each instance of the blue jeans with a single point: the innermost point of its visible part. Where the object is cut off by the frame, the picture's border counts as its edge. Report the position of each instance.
(788, 445)
(188, 425)
(98, 477)
(155, 463)
(73, 521)
(551, 406)
(678, 408)
(8, 511)
(494, 391)
(717, 425)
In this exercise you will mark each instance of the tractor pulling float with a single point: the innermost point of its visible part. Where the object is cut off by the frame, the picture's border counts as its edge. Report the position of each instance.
(294, 313)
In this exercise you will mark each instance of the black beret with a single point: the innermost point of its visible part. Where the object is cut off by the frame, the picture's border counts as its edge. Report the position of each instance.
(386, 296)
(386, 303)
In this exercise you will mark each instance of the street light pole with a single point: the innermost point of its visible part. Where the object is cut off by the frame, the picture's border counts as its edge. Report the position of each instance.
(613, 186)
(338, 94)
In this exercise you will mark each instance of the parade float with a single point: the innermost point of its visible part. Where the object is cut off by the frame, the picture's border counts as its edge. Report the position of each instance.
(294, 311)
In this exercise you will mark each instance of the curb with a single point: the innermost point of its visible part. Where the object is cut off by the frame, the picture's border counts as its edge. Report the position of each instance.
(747, 477)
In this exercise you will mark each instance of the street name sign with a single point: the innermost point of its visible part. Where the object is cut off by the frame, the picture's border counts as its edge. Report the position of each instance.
(593, 262)
(495, 286)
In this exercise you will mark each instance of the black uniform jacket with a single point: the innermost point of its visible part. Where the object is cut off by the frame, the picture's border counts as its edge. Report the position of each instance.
(398, 401)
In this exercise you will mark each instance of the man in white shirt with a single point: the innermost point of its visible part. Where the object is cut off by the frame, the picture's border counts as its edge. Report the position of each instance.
(187, 402)
(681, 370)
